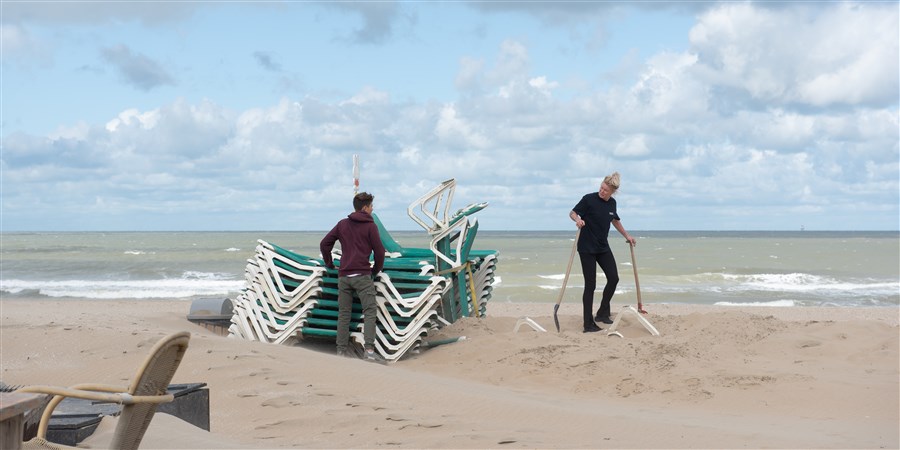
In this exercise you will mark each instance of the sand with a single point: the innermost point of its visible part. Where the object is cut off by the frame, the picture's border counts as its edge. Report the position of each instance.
(717, 377)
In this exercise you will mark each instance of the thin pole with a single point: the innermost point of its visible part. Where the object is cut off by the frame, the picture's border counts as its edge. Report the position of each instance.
(637, 284)
(562, 291)
(355, 174)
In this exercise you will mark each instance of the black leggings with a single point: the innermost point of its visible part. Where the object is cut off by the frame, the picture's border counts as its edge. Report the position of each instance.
(589, 263)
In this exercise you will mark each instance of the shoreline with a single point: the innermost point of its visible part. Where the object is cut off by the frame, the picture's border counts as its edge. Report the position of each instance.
(501, 308)
(718, 377)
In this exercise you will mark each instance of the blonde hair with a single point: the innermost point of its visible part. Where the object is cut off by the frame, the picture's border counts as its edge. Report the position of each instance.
(612, 180)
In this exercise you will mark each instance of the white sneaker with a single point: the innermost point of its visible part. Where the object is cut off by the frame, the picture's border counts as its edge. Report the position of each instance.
(371, 356)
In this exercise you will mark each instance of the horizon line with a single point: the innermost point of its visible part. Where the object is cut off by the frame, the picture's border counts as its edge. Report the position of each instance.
(695, 230)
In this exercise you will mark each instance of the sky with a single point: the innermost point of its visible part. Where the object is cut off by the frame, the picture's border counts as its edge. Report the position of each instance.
(191, 116)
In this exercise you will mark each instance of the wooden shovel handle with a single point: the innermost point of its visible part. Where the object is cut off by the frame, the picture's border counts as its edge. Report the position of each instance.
(637, 283)
(569, 267)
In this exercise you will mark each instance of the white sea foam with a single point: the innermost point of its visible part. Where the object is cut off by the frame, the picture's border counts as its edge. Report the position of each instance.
(804, 282)
(232, 249)
(778, 303)
(569, 287)
(190, 285)
(558, 276)
(193, 274)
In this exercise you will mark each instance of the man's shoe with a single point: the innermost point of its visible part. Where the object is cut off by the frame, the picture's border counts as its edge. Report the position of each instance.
(605, 320)
(371, 356)
(592, 328)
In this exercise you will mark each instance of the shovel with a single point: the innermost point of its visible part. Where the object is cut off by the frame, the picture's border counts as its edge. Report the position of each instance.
(566, 280)
(637, 284)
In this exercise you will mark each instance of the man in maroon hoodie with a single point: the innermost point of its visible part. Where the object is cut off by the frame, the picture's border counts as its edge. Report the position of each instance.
(359, 238)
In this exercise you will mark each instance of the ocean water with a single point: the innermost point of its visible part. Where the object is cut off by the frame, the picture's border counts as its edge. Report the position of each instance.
(791, 269)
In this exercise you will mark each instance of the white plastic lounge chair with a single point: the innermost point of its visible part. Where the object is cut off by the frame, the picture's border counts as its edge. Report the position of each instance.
(441, 195)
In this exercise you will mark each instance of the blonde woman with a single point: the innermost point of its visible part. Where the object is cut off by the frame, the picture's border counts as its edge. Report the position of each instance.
(593, 215)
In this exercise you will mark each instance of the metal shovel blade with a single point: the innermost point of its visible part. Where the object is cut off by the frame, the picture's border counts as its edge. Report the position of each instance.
(556, 316)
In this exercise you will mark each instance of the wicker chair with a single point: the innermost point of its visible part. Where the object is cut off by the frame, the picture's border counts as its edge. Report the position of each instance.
(139, 400)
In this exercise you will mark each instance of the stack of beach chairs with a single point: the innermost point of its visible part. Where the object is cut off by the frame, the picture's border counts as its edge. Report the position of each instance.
(485, 264)
(291, 297)
(282, 288)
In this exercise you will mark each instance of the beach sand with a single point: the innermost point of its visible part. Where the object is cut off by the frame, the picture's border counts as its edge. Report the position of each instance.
(717, 377)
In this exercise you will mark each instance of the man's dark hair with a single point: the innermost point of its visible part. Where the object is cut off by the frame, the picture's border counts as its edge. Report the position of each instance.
(362, 199)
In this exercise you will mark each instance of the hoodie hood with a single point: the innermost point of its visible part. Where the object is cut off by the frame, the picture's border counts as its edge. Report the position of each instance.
(360, 216)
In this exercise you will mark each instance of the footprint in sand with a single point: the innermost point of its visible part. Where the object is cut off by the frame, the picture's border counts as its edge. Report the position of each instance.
(422, 425)
(269, 425)
(262, 371)
(373, 407)
(282, 401)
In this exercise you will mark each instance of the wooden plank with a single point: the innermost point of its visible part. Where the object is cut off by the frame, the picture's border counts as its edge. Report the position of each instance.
(13, 406)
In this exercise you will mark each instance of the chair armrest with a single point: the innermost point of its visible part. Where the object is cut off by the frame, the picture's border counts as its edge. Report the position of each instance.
(76, 392)
(96, 392)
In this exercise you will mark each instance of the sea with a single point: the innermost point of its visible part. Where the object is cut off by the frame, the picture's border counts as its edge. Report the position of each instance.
(743, 268)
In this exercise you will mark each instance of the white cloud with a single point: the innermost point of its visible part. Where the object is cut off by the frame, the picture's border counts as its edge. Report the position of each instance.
(145, 120)
(21, 48)
(369, 95)
(512, 64)
(454, 128)
(542, 85)
(668, 88)
(77, 132)
(855, 61)
(845, 54)
(632, 146)
(411, 154)
(14, 39)
(468, 75)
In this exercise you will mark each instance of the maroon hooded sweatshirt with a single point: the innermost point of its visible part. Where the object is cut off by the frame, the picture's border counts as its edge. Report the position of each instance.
(359, 238)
